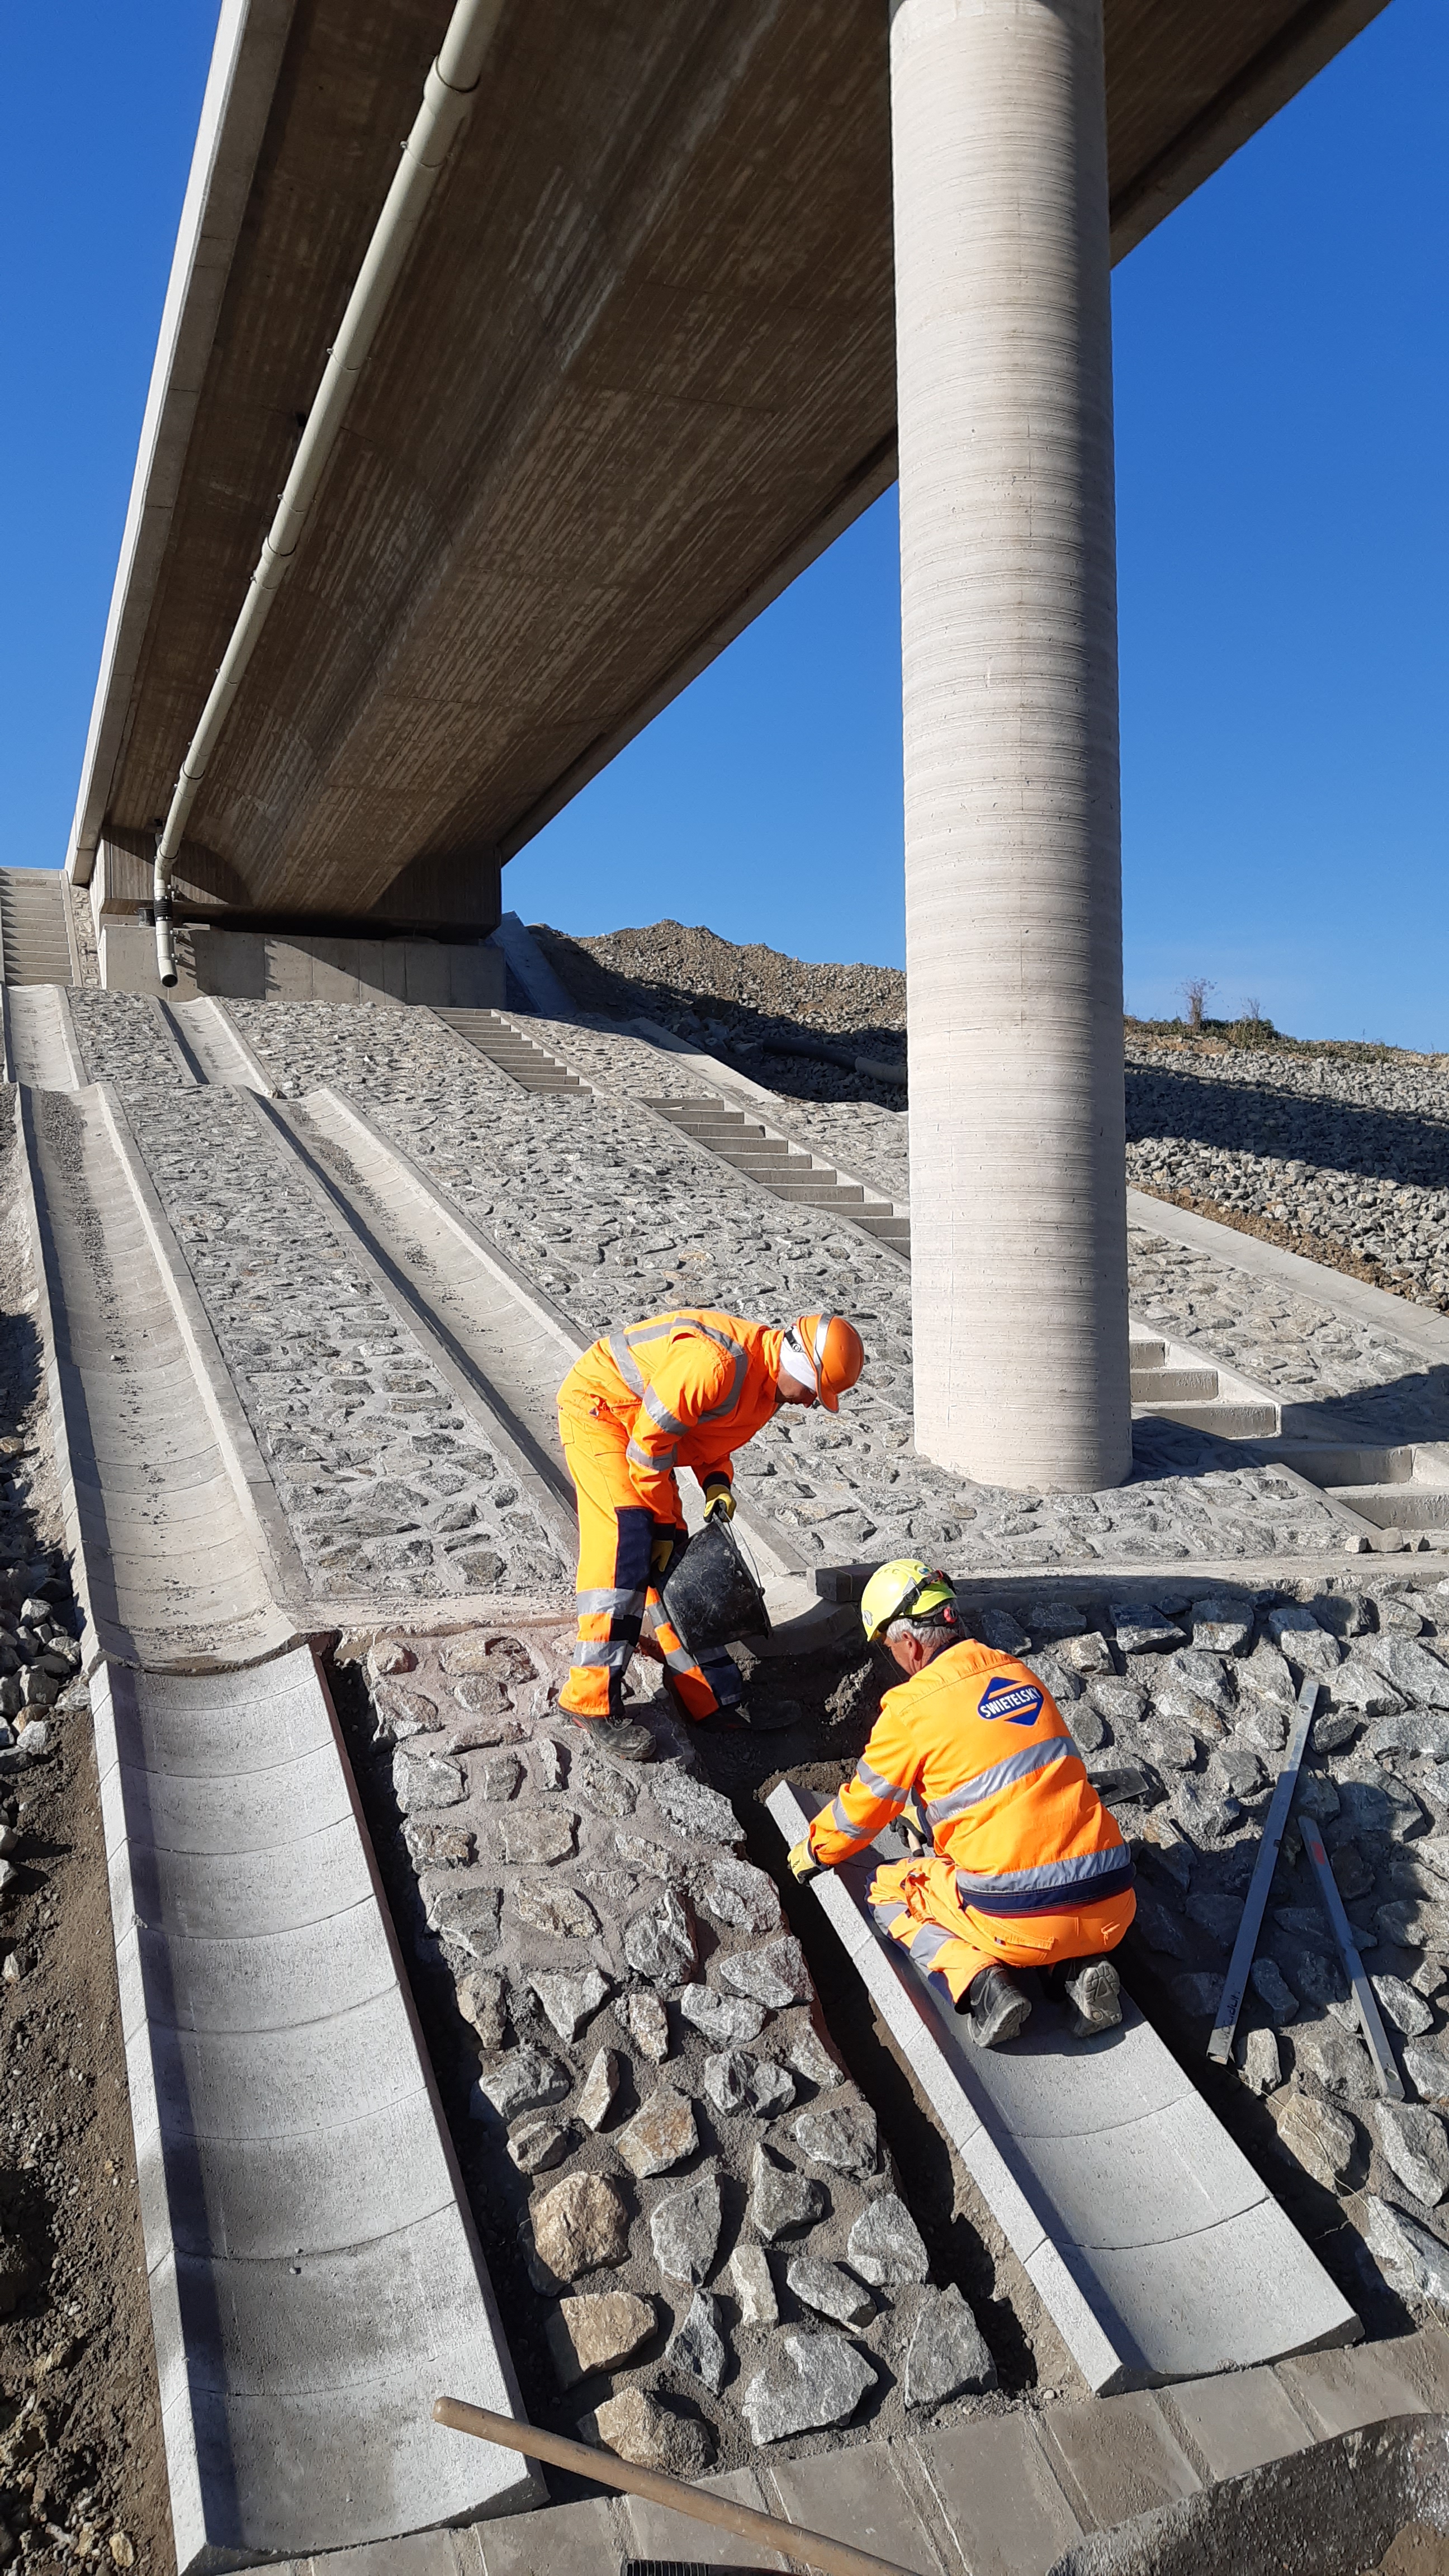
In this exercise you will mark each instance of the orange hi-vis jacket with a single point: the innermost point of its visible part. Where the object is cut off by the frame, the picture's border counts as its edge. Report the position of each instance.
(685, 1389)
(1000, 1782)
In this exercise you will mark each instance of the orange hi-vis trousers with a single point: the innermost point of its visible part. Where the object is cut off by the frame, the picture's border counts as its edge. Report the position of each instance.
(917, 1903)
(614, 1593)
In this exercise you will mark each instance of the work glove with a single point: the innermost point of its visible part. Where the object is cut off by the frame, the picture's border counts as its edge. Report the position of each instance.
(661, 1555)
(803, 1864)
(719, 1501)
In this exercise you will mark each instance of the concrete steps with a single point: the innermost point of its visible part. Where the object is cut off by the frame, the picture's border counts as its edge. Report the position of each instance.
(525, 1063)
(35, 940)
(1178, 1387)
(782, 1168)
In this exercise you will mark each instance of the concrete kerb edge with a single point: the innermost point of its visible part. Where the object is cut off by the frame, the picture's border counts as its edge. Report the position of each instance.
(281, 1565)
(1140, 1583)
(54, 1391)
(70, 1041)
(1355, 1299)
(261, 1080)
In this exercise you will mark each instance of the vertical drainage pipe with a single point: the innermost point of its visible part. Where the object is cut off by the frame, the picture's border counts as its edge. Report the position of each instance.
(448, 96)
(1009, 635)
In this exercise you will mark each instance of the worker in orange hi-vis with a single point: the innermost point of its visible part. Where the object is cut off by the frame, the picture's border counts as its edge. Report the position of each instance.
(1027, 1868)
(684, 1389)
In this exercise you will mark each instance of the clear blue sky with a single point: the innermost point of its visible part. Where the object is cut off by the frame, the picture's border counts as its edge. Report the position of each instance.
(1283, 429)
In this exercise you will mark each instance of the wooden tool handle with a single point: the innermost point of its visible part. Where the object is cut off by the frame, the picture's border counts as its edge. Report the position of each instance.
(832, 2557)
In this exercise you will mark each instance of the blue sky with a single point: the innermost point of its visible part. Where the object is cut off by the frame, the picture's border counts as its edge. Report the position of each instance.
(1283, 424)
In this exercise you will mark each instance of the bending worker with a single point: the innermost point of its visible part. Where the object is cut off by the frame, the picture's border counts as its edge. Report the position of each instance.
(1028, 1868)
(680, 1390)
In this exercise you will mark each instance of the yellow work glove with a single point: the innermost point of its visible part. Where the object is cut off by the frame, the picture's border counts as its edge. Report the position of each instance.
(803, 1864)
(719, 1501)
(661, 1555)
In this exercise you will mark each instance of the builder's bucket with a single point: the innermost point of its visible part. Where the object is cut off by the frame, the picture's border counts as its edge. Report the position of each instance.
(713, 1595)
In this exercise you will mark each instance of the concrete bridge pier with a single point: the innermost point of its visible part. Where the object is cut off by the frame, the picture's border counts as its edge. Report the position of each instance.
(1013, 843)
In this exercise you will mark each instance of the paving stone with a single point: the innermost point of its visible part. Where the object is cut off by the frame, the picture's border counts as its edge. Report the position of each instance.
(389, 1655)
(737, 2082)
(808, 2054)
(481, 2002)
(580, 2225)
(749, 2278)
(726, 2019)
(559, 1912)
(1121, 2456)
(1407, 2011)
(782, 2200)
(648, 2026)
(843, 2136)
(1143, 1631)
(636, 2427)
(533, 1837)
(1239, 2421)
(1262, 2068)
(827, 2289)
(1339, 2391)
(492, 1723)
(858, 2493)
(669, 2538)
(422, 1780)
(570, 1998)
(739, 1895)
(527, 2079)
(597, 2332)
(600, 2086)
(885, 2245)
(775, 1974)
(659, 2136)
(811, 2377)
(537, 2145)
(692, 1808)
(1320, 2138)
(698, 2346)
(684, 2228)
(999, 2494)
(947, 2355)
(1415, 2148)
(1336, 2061)
(659, 1941)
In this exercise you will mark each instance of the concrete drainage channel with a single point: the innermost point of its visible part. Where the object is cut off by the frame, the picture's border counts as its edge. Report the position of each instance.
(689, 2204)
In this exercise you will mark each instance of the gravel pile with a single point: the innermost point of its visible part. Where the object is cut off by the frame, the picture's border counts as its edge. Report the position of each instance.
(698, 2236)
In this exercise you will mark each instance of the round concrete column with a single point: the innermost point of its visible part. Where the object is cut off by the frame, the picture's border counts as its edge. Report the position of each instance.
(1013, 857)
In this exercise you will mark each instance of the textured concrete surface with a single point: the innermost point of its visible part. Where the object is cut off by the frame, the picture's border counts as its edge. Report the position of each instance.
(40, 1039)
(1152, 2242)
(314, 2277)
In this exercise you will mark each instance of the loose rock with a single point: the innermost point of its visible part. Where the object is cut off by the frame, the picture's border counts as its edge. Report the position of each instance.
(810, 2379)
(525, 2080)
(782, 2200)
(698, 2346)
(659, 1941)
(537, 2145)
(810, 2057)
(1262, 2067)
(648, 2026)
(660, 2135)
(1321, 2138)
(597, 2332)
(580, 2225)
(775, 1975)
(749, 2278)
(1407, 2011)
(885, 2245)
(737, 2082)
(829, 2291)
(947, 2355)
(636, 2427)
(560, 1912)
(684, 2229)
(600, 2086)
(570, 2000)
(1421, 2261)
(1415, 2148)
(480, 2001)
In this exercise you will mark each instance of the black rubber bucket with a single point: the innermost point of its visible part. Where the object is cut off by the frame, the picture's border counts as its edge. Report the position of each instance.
(713, 1595)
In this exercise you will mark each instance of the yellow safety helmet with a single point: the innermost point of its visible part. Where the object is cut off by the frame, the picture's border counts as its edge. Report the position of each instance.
(904, 1589)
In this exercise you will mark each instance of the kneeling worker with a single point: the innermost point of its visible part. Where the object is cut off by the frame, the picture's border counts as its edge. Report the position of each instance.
(1029, 1870)
(685, 1389)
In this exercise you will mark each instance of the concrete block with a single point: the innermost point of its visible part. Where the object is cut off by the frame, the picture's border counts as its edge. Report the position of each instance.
(1153, 2245)
(566, 2540)
(1120, 2458)
(653, 2532)
(859, 2496)
(1338, 2391)
(999, 2495)
(314, 2278)
(1238, 2421)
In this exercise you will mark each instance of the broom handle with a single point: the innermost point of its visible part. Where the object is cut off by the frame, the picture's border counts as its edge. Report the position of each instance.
(832, 2557)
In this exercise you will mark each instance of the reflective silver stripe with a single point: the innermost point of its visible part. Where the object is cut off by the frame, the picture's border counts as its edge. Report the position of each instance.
(614, 1654)
(1076, 1871)
(885, 1915)
(841, 1821)
(735, 1351)
(928, 1944)
(662, 1463)
(617, 1345)
(594, 1604)
(659, 1412)
(892, 1792)
(1013, 1766)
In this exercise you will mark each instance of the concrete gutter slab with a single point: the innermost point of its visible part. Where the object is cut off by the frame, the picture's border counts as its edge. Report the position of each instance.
(314, 2276)
(1152, 2243)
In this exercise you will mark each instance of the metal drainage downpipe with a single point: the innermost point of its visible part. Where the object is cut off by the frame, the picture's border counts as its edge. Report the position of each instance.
(448, 96)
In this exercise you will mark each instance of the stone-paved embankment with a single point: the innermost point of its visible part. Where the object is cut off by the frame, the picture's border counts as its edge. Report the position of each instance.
(1348, 1151)
(615, 1213)
(701, 2243)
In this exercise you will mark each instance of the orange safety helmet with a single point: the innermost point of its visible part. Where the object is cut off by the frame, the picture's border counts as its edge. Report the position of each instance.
(825, 1352)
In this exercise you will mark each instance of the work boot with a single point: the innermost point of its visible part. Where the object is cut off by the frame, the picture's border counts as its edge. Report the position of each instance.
(997, 2008)
(623, 1739)
(1094, 1994)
